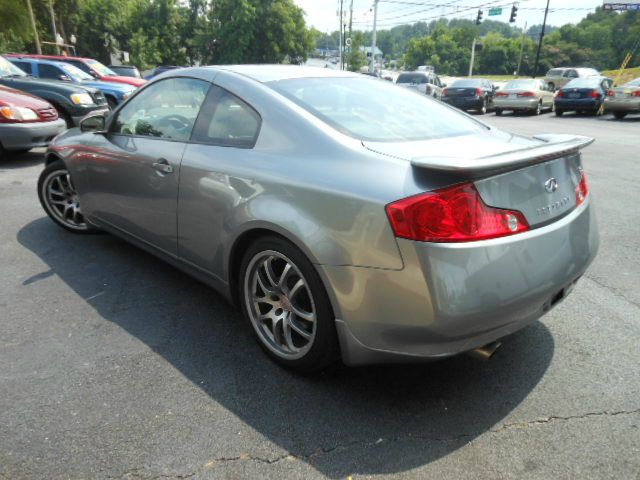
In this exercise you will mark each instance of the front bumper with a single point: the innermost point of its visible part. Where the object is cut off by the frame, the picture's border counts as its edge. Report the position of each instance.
(23, 136)
(528, 103)
(451, 298)
(464, 103)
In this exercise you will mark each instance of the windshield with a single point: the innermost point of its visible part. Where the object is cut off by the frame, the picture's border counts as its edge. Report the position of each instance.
(368, 109)
(411, 78)
(589, 82)
(8, 69)
(467, 83)
(517, 84)
(633, 83)
(101, 69)
(75, 73)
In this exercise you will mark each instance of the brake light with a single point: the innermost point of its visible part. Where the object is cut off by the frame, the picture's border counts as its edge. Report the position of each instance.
(595, 94)
(611, 93)
(502, 94)
(445, 92)
(526, 94)
(560, 93)
(479, 92)
(636, 93)
(454, 214)
(582, 190)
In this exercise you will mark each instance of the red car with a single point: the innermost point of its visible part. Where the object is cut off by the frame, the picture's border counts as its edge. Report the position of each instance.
(26, 121)
(93, 67)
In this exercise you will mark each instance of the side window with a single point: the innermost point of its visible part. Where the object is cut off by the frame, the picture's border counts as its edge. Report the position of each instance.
(167, 109)
(436, 80)
(227, 121)
(571, 74)
(81, 65)
(26, 66)
(49, 71)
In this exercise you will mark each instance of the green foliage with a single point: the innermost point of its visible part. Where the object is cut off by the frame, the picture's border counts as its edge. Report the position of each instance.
(356, 59)
(175, 32)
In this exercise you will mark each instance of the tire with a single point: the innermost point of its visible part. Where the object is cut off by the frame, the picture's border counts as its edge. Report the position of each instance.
(619, 115)
(65, 116)
(558, 112)
(59, 199)
(538, 109)
(311, 343)
(498, 112)
(21, 152)
(483, 107)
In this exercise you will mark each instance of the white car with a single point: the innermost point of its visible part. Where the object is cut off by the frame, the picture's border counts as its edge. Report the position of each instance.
(425, 82)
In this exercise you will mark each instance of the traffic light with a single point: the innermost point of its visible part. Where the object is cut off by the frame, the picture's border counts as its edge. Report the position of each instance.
(514, 13)
(479, 19)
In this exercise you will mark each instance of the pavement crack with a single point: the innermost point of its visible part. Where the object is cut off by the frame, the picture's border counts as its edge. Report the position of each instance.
(553, 418)
(613, 290)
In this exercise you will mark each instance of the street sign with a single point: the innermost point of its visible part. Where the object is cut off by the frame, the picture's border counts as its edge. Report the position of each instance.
(495, 11)
(622, 5)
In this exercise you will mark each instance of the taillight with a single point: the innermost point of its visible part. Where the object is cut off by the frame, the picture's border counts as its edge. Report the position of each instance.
(502, 94)
(611, 93)
(582, 190)
(595, 94)
(479, 92)
(445, 92)
(560, 93)
(636, 93)
(526, 94)
(454, 214)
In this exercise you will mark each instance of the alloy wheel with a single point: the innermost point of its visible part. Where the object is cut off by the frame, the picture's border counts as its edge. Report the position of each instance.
(280, 304)
(61, 199)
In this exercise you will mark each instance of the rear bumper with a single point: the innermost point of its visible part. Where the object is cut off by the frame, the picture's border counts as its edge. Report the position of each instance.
(464, 103)
(579, 104)
(516, 103)
(21, 136)
(450, 298)
(622, 105)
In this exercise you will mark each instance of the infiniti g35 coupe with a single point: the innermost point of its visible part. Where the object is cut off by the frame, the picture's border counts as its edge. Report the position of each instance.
(348, 218)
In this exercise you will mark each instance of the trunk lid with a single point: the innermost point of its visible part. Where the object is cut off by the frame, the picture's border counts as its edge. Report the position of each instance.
(537, 176)
(577, 93)
(462, 92)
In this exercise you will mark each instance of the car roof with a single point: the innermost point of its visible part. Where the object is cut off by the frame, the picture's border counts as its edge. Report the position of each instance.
(43, 61)
(269, 73)
(61, 58)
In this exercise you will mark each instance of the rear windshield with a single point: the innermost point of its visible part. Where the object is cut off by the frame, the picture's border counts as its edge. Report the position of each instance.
(467, 83)
(367, 109)
(555, 72)
(633, 83)
(516, 84)
(411, 78)
(588, 82)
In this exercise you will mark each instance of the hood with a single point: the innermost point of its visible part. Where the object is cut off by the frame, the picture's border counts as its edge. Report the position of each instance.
(16, 98)
(63, 87)
(134, 82)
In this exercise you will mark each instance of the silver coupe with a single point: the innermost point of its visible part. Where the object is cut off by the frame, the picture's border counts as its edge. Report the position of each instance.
(348, 218)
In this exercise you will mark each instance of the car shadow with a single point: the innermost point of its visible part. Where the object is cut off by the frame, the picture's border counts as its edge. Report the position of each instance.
(345, 421)
(12, 161)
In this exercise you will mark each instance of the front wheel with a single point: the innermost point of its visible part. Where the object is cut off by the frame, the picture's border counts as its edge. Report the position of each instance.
(285, 301)
(60, 200)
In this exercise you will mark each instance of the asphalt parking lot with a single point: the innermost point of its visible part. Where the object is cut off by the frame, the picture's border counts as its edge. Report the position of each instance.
(115, 365)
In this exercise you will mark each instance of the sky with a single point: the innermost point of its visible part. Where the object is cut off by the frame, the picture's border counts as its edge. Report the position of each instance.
(322, 14)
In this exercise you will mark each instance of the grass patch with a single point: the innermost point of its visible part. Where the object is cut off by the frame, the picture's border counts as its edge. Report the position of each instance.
(627, 75)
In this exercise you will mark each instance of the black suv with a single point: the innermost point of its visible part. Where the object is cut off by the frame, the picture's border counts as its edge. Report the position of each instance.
(71, 101)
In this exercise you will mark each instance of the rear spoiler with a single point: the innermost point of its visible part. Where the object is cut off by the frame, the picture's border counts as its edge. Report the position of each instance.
(554, 146)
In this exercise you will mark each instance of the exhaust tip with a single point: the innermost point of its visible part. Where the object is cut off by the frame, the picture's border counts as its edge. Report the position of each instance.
(485, 352)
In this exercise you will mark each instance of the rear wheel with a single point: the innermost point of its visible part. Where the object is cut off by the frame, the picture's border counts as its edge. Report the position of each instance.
(619, 115)
(538, 109)
(558, 113)
(483, 107)
(60, 200)
(498, 111)
(285, 301)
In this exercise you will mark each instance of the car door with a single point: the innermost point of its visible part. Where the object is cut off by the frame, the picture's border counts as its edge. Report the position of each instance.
(133, 170)
(51, 72)
(210, 190)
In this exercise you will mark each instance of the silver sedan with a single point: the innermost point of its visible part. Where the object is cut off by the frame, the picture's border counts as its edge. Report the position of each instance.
(348, 218)
(624, 99)
(527, 95)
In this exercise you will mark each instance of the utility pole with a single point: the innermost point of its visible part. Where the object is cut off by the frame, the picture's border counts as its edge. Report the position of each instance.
(341, 39)
(350, 30)
(473, 56)
(372, 67)
(521, 49)
(53, 24)
(35, 30)
(544, 24)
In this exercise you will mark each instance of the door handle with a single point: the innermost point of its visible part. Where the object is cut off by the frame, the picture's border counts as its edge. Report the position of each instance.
(162, 166)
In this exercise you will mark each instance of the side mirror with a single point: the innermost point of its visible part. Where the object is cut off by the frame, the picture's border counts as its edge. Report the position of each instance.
(94, 74)
(93, 123)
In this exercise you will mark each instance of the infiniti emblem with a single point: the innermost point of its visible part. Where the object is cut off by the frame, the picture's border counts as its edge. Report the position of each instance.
(551, 185)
